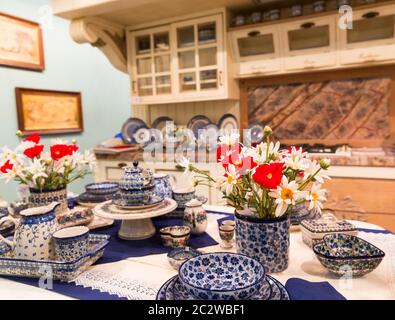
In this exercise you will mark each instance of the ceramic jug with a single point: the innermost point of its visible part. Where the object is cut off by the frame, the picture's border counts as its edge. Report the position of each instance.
(33, 233)
(195, 216)
(163, 187)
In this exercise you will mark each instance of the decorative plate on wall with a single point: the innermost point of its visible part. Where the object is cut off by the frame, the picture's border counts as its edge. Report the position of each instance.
(197, 123)
(134, 131)
(228, 122)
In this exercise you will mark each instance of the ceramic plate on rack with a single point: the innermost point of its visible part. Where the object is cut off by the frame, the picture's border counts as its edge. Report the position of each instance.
(256, 131)
(228, 122)
(160, 123)
(197, 123)
(135, 131)
(209, 135)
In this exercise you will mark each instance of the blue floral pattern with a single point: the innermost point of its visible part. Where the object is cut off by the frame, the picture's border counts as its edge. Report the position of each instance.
(345, 254)
(265, 241)
(222, 276)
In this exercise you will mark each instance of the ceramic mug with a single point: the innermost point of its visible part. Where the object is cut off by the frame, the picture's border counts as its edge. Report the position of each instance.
(71, 243)
(163, 186)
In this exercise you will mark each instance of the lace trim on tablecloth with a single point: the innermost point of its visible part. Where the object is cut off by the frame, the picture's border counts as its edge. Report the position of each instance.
(131, 289)
(126, 279)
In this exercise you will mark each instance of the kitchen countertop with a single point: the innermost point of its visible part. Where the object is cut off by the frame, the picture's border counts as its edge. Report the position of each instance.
(387, 160)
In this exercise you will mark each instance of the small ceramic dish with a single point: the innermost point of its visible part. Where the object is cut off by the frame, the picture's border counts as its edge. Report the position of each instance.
(179, 255)
(71, 243)
(105, 187)
(222, 276)
(183, 195)
(175, 236)
(344, 254)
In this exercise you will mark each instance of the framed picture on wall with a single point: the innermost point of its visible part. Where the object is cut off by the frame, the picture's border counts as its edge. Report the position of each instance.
(48, 111)
(21, 43)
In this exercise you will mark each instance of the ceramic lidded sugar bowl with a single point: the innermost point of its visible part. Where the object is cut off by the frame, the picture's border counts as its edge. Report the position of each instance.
(137, 184)
(314, 230)
(195, 216)
(33, 233)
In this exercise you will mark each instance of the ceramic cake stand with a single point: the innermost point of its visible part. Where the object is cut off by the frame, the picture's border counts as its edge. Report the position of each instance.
(136, 224)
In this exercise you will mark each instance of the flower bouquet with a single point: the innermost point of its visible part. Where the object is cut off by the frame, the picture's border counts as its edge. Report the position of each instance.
(263, 184)
(46, 173)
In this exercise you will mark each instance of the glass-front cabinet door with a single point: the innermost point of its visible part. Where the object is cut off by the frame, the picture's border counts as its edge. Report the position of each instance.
(372, 37)
(151, 56)
(370, 28)
(256, 50)
(310, 44)
(198, 56)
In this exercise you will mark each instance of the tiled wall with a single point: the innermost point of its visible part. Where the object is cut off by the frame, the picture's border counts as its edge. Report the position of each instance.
(348, 109)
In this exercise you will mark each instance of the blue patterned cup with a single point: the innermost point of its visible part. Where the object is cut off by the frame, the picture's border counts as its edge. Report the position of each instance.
(71, 243)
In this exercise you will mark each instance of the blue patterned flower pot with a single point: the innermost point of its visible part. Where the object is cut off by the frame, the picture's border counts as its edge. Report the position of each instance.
(40, 198)
(264, 240)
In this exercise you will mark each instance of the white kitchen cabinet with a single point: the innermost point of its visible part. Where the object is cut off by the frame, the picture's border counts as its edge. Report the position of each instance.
(309, 44)
(371, 39)
(256, 51)
(181, 61)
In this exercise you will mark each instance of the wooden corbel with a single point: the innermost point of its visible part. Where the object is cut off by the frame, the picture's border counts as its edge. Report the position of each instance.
(108, 37)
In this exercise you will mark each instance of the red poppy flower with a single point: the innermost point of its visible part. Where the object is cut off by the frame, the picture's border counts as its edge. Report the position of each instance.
(58, 151)
(228, 155)
(34, 151)
(269, 175)
(6, 166)
(33, 138)
(72, 148)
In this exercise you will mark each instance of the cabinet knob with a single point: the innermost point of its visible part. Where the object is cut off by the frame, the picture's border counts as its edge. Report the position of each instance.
(254, 33)
(122, 165)
(370, 15)
(307, 25)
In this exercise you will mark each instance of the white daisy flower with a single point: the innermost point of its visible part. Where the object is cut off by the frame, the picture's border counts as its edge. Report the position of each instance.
(286, 194)
(316, 196)
(37, 170)
(228, 181)
(186, 164)
(261, 150)
(312, 169)
(229, 139)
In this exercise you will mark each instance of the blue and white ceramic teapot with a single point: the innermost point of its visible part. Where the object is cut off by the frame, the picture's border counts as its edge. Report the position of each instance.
(33, 233)
(136, 178)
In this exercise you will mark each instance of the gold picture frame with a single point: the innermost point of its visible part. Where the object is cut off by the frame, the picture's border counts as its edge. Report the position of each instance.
(48, 111)
(21, 43)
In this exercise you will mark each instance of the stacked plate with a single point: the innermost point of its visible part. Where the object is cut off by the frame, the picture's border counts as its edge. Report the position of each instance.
(96, 193)
(241, 278)
(301, 212)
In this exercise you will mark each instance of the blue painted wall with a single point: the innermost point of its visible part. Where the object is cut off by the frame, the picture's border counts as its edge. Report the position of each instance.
(70, 67)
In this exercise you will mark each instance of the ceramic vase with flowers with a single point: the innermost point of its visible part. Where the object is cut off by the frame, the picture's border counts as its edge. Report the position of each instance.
(263, 184)
(45, 172)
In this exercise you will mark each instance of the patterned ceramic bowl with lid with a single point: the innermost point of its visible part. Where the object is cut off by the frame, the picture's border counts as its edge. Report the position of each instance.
(222, 276)
(102, 188)
(344, 254)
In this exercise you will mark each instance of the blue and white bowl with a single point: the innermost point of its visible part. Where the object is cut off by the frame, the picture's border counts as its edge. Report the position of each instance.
(344, 254)
(102, 188)
(179, 255)
(222, 276)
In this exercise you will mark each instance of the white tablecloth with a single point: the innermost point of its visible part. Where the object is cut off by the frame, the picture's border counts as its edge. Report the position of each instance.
(151, 271)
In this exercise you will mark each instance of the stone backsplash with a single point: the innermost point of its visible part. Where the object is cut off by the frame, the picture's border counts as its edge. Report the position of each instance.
(346, 109)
